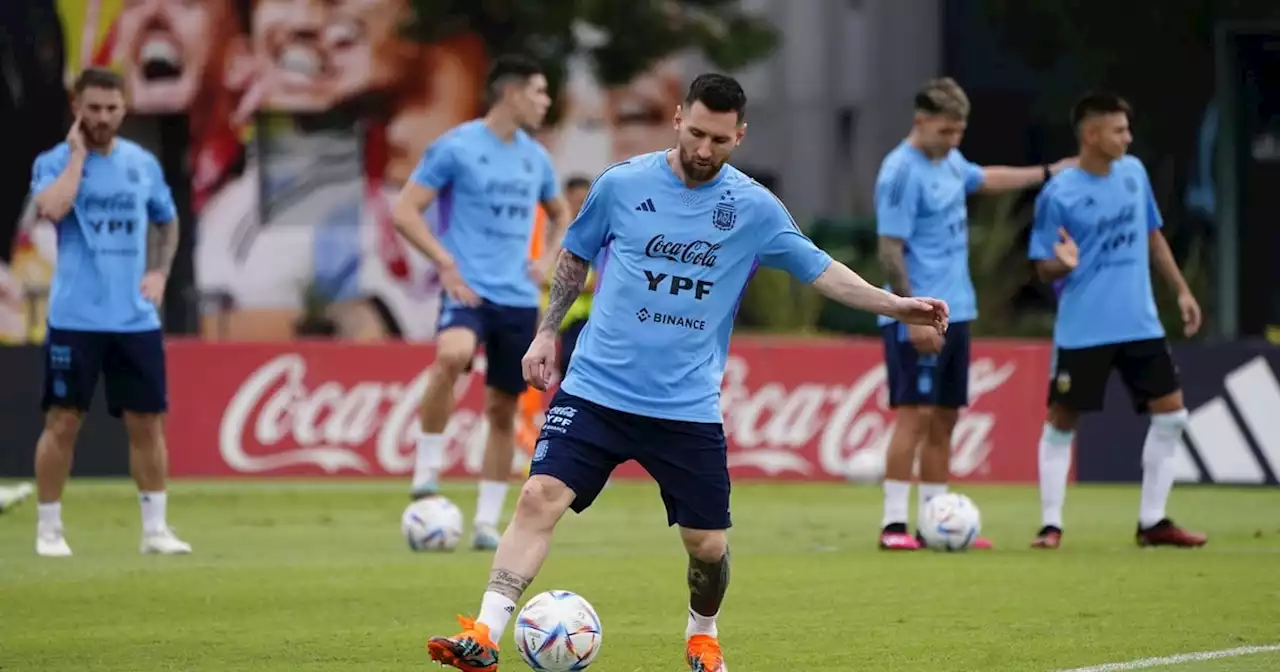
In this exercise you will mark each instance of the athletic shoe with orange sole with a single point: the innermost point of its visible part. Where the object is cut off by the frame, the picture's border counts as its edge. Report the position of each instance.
(472, 650)
(704, 655)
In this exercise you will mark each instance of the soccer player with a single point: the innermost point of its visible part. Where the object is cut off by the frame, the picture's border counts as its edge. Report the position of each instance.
(13, 495)
(923, 225)
(489, 175)
(685, 231)
(117, 236)
(1097, 229)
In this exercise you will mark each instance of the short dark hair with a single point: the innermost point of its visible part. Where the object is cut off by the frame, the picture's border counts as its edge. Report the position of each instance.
(507, 68)
(719, 93)
(577, 182)
(98, 78)
(1096, 103)
(943, 96)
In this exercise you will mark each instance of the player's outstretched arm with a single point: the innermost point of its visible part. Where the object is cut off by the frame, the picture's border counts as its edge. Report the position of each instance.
(996, 179)
(840, 283)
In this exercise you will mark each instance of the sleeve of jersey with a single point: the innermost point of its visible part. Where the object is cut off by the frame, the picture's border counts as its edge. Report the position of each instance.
(973, 175)
(790, 250)
(896, 203)
(437, 167)
(44, 171)
(1154, 219)
(160, 206)
(588, 232)
(550, 181)
(1044, 229)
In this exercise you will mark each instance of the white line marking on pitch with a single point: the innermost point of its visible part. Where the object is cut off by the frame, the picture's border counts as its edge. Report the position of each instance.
(1178, 659)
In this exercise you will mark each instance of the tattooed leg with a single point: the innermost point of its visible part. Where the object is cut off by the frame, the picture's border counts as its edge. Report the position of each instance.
(708, 582)
(543, 500)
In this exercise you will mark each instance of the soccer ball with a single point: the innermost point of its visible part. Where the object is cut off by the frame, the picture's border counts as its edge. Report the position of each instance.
(558, 631)
(432, 524)
(950, 522)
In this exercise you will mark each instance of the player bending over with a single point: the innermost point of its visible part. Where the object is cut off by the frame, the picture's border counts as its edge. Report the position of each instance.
(1097, 228)
(117, 236)
(923, 224)
(684, 232)
(489, 175)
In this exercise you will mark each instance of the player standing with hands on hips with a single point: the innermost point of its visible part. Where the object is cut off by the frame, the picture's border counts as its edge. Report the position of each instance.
(488, 175)
(685, 232)
(1097, 232)
(922, 220)
(117, 236)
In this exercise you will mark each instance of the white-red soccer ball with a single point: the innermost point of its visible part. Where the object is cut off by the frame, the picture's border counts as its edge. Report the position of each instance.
(432, 524)
(558, 631)
(950, 522)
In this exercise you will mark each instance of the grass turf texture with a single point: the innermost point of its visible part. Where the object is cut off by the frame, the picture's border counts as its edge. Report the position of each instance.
(313, 575)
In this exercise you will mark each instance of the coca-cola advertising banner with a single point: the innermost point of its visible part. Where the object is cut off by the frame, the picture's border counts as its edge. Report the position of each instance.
(794, 410)
(1233, 434)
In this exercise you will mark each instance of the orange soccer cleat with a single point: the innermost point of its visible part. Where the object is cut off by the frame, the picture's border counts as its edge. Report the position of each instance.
(472, 650)
(704, 655)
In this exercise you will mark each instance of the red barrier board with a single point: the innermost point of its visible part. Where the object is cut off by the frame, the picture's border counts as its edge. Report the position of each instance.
(794, 409)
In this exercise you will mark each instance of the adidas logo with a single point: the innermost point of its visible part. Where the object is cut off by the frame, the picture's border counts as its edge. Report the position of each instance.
(646, 206)
(1240, 447)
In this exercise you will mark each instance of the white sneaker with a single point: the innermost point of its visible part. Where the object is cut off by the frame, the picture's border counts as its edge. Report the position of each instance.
(51, 543)
(163, 542)
(485, 537)
(13, 496)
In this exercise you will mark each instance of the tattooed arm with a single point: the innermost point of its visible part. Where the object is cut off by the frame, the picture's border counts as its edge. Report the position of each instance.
(892, 258)
(570, 278)
(162, 247)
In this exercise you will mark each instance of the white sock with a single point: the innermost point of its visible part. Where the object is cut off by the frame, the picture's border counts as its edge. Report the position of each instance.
(700, 625)
(926, 492)
(50, 514)
(496, 611)
(153, 511)
(489, 502)
(1055, 467)
(1157, 465)
(429, 462)
(897, 502)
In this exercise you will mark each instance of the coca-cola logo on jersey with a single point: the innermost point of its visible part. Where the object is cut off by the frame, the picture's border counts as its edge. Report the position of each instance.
(694, 252)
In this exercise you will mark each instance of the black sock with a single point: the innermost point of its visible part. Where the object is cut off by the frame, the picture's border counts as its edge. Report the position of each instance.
(708, 582)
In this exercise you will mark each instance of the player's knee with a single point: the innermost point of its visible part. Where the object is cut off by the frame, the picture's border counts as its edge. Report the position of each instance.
(543, 500)
(146, 430)
(705, 545)
(500, 408)
(451, 363)
(1063, 418)
(61, 426)
(911, 425)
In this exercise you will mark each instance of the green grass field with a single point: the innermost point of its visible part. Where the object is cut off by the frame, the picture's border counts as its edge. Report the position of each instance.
(314, 576)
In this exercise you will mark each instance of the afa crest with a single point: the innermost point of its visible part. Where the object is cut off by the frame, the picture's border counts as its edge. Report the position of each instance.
(725, 214)
(1064, 382)
(132, 175)
(1131, 184)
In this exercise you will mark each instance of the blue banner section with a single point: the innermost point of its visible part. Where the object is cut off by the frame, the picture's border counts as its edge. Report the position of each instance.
(1233, 393)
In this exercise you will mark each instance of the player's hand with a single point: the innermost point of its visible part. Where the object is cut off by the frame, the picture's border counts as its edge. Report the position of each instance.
(926, 339)
(75, 137)
(1065, 250)
(153, 286)
(1191, 317)
(456, 288)
(539, 363)
(540, 271)
(923, 311)
(1063, 164)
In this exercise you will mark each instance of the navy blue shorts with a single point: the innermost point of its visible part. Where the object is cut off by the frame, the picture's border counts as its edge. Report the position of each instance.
(927, 380)
(505, 332)
(131, 364)
(582, 442)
